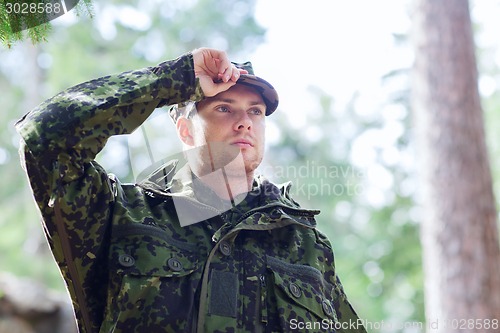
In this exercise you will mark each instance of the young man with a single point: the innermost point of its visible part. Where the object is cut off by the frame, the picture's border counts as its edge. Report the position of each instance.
(202, 247)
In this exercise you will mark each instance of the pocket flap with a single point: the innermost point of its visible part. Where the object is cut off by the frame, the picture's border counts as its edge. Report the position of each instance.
(148, 250)
(304, 286)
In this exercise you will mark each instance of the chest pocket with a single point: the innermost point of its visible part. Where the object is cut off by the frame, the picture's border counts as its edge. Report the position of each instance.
(153, 282)
(302, 297)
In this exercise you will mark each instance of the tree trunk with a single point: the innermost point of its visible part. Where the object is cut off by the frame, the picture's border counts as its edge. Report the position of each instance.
(459, 232)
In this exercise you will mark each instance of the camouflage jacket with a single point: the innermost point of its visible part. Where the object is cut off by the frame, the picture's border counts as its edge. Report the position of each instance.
(129, 265)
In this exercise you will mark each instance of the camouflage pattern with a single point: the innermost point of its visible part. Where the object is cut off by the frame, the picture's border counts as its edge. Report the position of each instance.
(129, 265)
(265, 89)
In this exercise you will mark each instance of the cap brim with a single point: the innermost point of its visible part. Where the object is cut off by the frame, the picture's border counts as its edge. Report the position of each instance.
(264, 88)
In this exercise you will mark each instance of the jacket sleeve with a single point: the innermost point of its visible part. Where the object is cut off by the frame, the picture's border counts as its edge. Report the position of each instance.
(60, 139)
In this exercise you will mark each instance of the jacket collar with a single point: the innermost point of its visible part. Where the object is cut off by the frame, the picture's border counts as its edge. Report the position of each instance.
(174, 180)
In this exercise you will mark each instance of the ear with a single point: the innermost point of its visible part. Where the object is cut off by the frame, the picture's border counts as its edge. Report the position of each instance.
(184, 130)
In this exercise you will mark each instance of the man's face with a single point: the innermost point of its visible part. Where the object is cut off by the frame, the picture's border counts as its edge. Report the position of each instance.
(236, 119)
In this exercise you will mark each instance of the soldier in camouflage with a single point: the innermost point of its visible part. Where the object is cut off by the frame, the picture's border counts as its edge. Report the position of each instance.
(202, 245)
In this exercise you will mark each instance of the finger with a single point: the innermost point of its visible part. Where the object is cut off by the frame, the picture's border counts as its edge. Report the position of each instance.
(236, 74)
(225, 67)
(217, 66)
(211, 88)
(206, 61)
(233, 73)
(211, 66)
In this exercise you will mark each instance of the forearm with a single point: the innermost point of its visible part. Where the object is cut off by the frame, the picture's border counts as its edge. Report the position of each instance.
(82, 118)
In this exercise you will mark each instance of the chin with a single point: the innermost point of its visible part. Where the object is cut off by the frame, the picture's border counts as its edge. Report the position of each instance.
(252, 165)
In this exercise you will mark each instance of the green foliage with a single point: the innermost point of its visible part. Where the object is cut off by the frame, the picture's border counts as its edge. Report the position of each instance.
(11, 24)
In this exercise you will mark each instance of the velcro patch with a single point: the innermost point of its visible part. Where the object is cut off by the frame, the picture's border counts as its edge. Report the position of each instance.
(224, 294)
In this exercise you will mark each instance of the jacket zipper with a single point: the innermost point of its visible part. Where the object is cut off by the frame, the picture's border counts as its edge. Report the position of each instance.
(295, 211)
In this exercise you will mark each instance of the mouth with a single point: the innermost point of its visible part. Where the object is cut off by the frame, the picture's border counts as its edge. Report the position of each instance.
(242, 143)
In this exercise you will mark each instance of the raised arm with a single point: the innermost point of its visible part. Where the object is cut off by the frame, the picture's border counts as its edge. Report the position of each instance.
(60, 139)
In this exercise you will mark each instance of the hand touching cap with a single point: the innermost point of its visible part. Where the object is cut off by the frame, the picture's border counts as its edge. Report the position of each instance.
(215, 71)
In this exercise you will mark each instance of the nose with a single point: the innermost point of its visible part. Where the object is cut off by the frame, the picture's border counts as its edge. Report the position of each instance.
(243, 123)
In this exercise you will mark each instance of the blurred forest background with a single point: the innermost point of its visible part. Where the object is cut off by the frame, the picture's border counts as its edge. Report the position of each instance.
(370, 210)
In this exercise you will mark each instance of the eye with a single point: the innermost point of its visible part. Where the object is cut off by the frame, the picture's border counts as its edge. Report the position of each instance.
(222, 108)
(256, 111)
